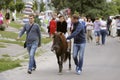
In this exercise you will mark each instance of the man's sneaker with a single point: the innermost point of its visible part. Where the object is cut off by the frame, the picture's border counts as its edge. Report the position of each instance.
(77, 68)
(79, 72)
(29, 71)
(33, 69)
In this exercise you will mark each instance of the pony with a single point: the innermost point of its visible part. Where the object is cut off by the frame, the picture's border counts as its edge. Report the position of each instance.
(60, 46)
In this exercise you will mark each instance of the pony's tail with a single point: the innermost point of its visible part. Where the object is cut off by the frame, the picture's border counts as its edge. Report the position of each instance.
(66, 56)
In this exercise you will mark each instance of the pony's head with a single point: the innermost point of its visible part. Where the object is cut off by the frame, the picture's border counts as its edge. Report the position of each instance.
(57, 42)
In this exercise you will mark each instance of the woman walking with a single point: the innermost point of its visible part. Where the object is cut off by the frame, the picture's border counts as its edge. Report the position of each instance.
(89, 28)
(52, 27)
(7, 17)
(113, 28)
(97, 25)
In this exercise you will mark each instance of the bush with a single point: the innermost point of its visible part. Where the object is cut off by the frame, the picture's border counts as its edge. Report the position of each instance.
(2, 27)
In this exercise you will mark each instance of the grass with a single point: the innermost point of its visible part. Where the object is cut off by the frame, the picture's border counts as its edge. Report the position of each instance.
(19, 15)
(11, 35)
(7, 63)
(6, 34)
(16, 25)
(2, 45)
(46, 40)
(6, 55)
(12, 42)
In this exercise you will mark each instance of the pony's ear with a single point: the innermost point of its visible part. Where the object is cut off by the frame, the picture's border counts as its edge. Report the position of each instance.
(61, 33)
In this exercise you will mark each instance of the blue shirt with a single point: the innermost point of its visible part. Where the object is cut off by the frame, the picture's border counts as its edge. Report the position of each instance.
(78, 34)
(33, 35)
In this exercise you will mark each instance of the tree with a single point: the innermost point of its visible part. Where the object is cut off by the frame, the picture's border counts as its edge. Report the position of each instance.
(116, 5)
(42, 7)
(90, 8)
(12, 6)
(35, 5)
(5, 3)
(19, 6)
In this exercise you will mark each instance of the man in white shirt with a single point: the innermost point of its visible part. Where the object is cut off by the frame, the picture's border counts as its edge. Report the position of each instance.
(103, 31)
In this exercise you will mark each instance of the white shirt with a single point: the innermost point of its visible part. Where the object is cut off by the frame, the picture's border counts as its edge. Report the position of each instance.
(103, 25)
(69, 23)
(89, 25)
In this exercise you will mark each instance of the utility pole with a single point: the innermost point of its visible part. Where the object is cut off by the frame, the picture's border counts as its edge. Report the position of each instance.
(15, 11)
(38, 3)
(15, 1)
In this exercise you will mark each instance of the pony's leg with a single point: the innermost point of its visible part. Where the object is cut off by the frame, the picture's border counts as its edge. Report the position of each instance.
(69, 54)
(61, 62)
(58, 60)
(69, 60)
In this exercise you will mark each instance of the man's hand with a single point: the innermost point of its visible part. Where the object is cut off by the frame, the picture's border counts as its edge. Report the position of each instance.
(18, 38)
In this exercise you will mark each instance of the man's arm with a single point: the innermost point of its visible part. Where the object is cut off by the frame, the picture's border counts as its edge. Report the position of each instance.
(21, 32)
(78, 29)
(39, 35)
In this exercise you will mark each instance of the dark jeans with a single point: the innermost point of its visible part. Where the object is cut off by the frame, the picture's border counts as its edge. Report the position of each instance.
(108, 29)
(103, 36)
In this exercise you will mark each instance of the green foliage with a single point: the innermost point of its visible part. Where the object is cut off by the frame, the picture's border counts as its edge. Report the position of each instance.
(35, 5)
(42, 7)
(5, 3)
(19, 6)
(90, 8)
(12, 6)
(76, 12)
(116, 5)
(7, 63)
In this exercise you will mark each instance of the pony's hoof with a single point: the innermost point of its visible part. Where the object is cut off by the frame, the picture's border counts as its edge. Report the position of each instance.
(52, 50)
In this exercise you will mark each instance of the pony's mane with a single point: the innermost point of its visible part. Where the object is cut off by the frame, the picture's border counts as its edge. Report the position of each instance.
(62, 39)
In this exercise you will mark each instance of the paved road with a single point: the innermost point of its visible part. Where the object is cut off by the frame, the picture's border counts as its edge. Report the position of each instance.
(100, 63)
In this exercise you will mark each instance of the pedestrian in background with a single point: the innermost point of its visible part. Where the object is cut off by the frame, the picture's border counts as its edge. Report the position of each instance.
(33, 40)
(79, 43)
(109, 21)
(118, 27)
(89, 28)
(7, 18)
(113, 27)
(97, 30)
(52, 27)
(1, 18)
(103, 31)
